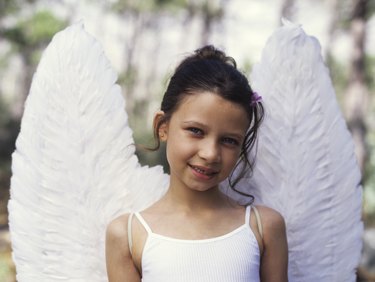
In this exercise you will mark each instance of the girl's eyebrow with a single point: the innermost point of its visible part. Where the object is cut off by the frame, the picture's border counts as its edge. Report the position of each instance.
(235, 135)
(201, 125)
(195, 123)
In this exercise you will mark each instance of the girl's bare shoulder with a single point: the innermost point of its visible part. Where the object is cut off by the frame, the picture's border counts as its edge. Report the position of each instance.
(272, 221)
(117, 230)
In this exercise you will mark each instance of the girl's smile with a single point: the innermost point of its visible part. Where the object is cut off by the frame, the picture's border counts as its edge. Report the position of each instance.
(203, 173)
(203, 170)
(204, 139)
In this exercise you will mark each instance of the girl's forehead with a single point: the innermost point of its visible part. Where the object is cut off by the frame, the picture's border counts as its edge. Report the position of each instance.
(211, 109)
(209, 100)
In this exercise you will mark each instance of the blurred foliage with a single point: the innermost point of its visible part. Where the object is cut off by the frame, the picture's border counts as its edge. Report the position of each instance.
(339, 75)
(28, 37)
(212, 7)
(9, 128)
(9, 7)
(370, 72)
(247, 66)
(369, 177)
(147, 156)
(7, 270)
(135, 6)
(345, 12)
(128, 78)
(369, 185)
(34, 32)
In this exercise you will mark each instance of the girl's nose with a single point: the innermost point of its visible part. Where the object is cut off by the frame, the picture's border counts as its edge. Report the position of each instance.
(210, 151)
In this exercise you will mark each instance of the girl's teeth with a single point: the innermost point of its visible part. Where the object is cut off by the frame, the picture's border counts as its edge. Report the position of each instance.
(200, 171)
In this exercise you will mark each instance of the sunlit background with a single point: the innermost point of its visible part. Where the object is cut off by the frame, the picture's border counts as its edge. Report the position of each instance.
(145, 39)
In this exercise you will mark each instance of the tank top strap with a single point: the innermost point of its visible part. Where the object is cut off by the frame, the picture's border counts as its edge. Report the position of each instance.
(143, 222)
(247, 215)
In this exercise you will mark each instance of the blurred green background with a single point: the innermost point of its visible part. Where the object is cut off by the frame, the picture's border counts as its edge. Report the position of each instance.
(144, 39)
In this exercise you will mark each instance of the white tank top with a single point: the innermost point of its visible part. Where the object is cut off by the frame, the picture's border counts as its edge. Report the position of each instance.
(231, 257)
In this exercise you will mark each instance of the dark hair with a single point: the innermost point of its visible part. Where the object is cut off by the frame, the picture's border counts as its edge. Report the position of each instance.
(209, 69)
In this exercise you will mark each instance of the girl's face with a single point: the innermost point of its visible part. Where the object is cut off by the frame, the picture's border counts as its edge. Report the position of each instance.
(204, 139)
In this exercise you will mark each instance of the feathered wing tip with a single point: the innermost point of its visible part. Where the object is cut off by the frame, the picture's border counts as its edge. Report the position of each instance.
(305, 166)
(74, 168)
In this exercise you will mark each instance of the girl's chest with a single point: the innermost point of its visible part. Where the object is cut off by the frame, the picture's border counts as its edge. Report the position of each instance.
(230, 257)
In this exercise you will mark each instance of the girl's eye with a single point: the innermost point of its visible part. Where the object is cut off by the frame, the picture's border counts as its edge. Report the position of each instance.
(195, 131)
(230, 141)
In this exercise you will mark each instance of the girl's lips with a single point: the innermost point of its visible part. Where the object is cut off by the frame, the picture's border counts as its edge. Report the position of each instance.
(203, 172)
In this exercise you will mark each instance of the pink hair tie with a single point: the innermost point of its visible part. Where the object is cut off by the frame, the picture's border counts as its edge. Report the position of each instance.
(255, 99)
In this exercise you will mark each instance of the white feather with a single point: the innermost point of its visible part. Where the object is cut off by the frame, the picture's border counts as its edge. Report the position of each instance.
(305, 167)
(74, 168)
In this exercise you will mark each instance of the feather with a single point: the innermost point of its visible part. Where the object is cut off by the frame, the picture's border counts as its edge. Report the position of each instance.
(305, 165)
(74, 168)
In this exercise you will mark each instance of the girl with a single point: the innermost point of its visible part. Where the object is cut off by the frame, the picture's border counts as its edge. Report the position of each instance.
(209, 119)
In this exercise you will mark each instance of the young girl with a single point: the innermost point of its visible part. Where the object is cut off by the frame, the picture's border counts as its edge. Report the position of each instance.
(209, 119)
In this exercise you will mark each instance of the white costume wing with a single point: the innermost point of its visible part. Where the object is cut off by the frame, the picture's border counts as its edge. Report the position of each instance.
(74, 168)
(305, 166)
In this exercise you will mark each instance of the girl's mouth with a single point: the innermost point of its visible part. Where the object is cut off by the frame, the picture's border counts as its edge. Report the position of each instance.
(203, 170)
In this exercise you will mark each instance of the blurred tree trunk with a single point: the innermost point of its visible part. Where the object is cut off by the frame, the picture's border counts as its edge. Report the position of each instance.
(212, 12)
(332, 27)
(287, 10)
(357, 94)
(130, 71)
(28, 69)
(9, 9)
(139, 18)
(29, 37)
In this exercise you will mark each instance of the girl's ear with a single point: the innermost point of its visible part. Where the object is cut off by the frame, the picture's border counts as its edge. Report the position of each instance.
(163, 128)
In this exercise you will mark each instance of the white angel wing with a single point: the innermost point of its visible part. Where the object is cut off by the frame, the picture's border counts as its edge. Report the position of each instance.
(305, 165)
(74, 168)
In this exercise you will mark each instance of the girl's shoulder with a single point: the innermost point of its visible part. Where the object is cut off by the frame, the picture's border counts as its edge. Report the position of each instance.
(272, 221)
(117, 230)
(274, 245)
(119, 259)
(267, 225)
(126, 236)
(269, 216)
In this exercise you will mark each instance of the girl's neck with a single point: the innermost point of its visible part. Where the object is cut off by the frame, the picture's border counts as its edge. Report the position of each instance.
(191, 200)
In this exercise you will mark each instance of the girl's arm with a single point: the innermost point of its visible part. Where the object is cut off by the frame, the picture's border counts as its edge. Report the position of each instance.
(274, 261)
(120, 266)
